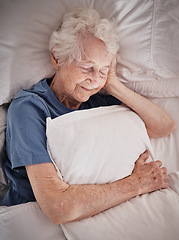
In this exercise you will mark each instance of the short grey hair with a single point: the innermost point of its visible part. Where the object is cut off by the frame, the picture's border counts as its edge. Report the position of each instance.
(66, 41)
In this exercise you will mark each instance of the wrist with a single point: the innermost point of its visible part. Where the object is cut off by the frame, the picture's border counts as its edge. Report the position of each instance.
(115, 88)
(129, 186)
(136, 184)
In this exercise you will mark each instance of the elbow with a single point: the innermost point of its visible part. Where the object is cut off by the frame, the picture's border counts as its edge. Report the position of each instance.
(59, 214)
(63, 208)
(56, 214)
(169, 128)
(163, 130)
(64, 213)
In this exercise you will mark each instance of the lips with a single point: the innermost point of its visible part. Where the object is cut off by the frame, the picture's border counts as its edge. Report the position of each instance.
(87, 89)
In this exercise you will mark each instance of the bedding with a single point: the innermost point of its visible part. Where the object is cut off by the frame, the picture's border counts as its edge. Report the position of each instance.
(148, 64)
(104, 144)
(27, 222)
(167, 148)
(157, 211)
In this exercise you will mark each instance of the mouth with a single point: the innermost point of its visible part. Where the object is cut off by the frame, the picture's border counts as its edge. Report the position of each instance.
(87, 89)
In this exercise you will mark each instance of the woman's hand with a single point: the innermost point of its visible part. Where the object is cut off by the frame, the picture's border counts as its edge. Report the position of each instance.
(150, 176)
(112, 77)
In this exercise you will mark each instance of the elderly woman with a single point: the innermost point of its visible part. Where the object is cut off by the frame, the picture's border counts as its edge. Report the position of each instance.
(83, 53)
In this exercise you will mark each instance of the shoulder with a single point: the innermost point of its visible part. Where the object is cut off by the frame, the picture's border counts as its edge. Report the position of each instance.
(26, 113)
(29, 102)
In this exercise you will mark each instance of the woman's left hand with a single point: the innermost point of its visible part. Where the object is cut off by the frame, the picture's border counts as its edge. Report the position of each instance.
(112, 77)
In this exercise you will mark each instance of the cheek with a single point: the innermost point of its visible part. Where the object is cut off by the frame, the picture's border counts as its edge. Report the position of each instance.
(81, 76)
(73, 80)
(71, 75)
(103, 82)
(77, 76)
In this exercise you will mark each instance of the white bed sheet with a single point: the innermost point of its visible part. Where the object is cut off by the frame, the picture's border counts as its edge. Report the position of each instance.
(160, 209)
(167, 148)
(27, 222)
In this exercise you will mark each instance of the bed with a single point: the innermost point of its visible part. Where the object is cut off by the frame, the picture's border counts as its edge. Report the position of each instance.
(148, 64)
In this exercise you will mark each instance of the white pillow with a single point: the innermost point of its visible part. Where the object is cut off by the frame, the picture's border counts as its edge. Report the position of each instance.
(98, 145)
(149, 53)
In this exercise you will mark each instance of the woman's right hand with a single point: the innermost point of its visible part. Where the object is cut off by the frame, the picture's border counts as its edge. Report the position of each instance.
(150, 176)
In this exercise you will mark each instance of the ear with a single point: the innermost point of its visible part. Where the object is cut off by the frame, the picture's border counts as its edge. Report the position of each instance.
(54, 61)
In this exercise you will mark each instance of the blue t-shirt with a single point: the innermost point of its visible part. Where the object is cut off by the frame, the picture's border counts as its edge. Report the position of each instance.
(26, 134)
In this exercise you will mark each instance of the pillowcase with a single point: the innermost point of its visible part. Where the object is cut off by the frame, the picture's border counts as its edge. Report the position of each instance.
(98, 145)
(149, 53)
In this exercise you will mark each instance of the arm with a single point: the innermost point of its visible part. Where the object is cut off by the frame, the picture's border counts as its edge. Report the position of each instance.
(66, 203)
(158, 122)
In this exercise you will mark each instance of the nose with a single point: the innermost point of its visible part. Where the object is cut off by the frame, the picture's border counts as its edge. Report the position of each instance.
(95, 80)
(95, 83)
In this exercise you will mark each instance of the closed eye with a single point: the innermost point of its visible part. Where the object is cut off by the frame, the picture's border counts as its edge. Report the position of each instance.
(104, 72)
(87, 69)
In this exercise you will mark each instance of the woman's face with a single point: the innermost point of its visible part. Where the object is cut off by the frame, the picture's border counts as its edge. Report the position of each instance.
(76, 82)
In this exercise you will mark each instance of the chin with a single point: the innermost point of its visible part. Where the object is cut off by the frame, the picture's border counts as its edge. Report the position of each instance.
(83, 98)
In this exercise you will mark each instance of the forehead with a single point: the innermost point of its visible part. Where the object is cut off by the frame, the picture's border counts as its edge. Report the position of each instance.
(94, 51)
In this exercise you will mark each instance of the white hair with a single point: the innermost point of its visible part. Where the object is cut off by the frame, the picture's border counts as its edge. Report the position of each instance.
(66, 41)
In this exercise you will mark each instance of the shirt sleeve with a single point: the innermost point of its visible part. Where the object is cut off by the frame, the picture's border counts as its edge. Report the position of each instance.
(26, 132)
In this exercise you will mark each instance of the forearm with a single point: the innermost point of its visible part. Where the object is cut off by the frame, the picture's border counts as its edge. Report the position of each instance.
(83, 201)
(157, 121)
(66, 203)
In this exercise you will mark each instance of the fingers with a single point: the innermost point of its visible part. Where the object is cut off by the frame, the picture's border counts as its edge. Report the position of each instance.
(159, 176)
(114, 61)
(143, 157)
(164, 173)
(158, 170)
(113, 66)
(152, 176)
(164, 170)
(158, 163)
